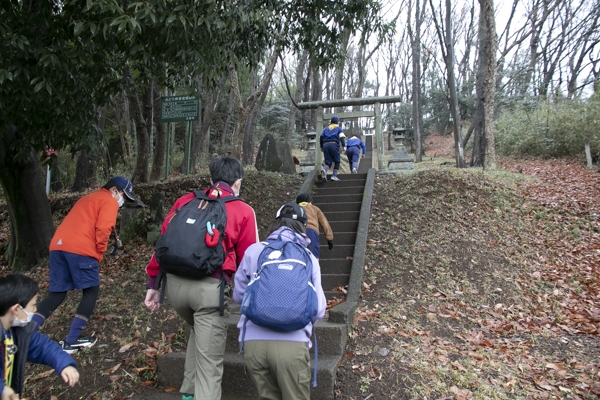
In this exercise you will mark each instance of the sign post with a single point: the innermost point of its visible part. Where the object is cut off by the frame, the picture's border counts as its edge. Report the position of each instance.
(178, 109)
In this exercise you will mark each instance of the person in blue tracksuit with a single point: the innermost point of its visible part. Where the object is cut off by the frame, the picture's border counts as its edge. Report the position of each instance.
(331, 138)
(353, 148)
(20, 342)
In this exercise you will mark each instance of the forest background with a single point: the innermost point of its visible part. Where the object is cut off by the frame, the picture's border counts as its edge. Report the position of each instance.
(81, 85)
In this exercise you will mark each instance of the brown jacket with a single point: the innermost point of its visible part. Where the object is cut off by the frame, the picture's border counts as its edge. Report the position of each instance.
(316, 218)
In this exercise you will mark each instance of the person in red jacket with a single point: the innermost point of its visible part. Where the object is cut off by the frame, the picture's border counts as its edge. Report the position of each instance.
(76, 251)
(198, 301)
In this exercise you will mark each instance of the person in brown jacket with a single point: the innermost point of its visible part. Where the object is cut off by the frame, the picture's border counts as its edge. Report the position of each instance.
(316, 219)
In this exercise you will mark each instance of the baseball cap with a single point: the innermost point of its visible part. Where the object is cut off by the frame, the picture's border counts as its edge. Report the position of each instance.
(299, 214)
(123, 184)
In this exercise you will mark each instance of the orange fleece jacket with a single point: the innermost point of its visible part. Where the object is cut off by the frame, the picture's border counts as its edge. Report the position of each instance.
(86, 228)
(316, 218)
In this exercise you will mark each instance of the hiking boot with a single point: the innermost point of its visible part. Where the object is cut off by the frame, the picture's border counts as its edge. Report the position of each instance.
(334, 178)
(80, 343)
(323, 175)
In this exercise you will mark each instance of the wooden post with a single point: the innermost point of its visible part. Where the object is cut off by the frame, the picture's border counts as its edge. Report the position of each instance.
(168, 152)
(379, 138)
(319, 129)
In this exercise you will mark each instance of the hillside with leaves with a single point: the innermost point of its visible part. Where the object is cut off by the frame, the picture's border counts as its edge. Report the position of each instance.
(480, 286)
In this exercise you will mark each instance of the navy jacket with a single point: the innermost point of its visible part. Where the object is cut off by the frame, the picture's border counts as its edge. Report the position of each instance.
(34, 347)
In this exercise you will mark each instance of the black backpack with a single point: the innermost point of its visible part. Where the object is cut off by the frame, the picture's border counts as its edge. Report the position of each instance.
(192, 245)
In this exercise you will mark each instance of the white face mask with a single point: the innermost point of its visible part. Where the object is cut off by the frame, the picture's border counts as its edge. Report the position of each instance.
(121, 200)
(17, 323)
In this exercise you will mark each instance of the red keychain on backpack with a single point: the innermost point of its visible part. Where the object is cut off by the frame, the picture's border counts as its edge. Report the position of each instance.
(212, 237)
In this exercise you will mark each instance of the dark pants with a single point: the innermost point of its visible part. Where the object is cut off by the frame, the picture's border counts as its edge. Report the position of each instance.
(314, 241)
(353, 154)
(331, 153)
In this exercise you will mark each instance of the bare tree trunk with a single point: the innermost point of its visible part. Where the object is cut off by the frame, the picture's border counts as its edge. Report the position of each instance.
(139, 108)
(415, 44)
(31, 226)
(119, 116)
(160, 143)
(229, 116)
(245, 109)
(448, 53)
(251, 128)
(489, 86)
(127, 118)
(297, 95)
(317, 94)
(338, 90)
(87, 161)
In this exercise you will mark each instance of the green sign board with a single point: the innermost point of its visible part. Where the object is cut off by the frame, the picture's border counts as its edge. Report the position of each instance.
(179, 108)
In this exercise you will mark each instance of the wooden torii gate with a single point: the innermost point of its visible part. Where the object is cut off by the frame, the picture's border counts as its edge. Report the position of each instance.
(376, 101)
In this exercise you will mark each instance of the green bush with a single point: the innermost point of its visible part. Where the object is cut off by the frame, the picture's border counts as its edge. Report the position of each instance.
(549, 129)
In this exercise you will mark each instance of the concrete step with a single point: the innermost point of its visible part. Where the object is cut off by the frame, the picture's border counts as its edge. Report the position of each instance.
(342, 183)
(341, 205)
(342, 215)
(332, 281)
(335, 198)
(335, 265)
(343, 226)
(338, 238)
(339, 190)
(236, 382)
(338, 251)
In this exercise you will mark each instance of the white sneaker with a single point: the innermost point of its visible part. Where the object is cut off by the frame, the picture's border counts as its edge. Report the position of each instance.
(334, 178)
(323, 175)
(354, 171)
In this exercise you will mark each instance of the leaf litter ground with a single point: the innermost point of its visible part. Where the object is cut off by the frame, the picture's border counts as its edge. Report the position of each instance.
(481, 286)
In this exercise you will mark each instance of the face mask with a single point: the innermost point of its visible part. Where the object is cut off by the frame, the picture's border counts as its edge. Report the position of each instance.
(17, 323)
(121, 200)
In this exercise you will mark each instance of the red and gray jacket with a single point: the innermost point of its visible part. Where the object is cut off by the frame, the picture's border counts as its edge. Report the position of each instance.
(241, 231)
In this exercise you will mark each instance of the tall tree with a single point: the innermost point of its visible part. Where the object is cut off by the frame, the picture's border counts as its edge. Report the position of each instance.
(299, 90)
(447, 46)
(415, 44)
(244, 108)
(487, 73)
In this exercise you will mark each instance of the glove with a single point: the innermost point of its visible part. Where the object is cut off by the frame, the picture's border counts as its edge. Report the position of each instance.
(330, 244)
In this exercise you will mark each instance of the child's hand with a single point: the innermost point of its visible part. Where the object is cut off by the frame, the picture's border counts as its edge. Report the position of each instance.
(70, 375)
(9, 394)
(152, 300)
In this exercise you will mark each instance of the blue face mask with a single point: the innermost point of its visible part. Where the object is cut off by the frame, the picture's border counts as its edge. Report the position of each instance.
(17, 323)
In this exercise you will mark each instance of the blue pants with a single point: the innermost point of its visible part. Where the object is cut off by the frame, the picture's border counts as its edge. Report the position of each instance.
(331, 152)
(70, 271)
(314, 246)
(353, 154)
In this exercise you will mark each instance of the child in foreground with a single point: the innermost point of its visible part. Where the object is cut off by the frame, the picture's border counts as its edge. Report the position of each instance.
(20, 342)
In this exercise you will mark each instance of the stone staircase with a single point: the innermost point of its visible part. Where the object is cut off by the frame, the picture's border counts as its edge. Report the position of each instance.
(342, 203)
